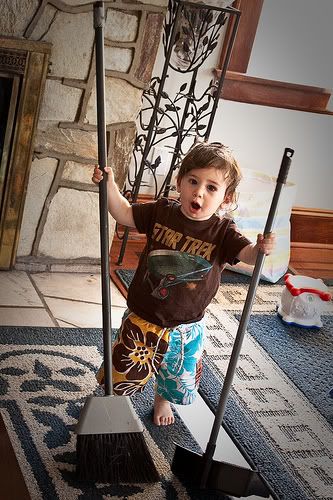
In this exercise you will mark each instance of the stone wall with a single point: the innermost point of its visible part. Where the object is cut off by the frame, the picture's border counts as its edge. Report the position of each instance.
(60, 225)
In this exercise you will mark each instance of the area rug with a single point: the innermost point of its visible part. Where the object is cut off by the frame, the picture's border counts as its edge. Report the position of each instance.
(45, 376)
(279, 413)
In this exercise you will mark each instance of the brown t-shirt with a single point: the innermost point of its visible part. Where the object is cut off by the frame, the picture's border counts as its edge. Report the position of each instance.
(180, 268)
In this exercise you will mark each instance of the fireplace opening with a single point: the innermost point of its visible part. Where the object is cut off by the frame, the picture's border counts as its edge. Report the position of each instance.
(5, 93)
(23, 70)
(9, 92)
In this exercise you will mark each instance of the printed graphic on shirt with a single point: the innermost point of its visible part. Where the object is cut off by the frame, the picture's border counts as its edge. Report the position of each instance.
(168, 268)
(175, 240)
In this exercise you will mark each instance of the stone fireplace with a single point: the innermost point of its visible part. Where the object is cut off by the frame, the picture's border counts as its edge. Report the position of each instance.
(23, 67)
(49, 206)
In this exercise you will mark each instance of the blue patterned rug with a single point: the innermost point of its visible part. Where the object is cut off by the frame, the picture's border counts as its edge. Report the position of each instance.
(45, 376)
(279, 413)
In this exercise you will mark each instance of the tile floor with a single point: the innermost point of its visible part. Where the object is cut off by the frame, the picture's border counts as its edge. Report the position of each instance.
(74, 300)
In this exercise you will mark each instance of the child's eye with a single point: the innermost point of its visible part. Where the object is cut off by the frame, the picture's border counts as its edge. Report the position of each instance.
(211, 187)
(192, 181)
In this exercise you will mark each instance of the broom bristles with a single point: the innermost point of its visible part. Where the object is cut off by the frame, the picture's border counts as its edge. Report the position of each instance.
(115, 458)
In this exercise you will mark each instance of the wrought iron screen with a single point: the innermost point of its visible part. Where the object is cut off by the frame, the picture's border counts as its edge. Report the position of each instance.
(171, 117)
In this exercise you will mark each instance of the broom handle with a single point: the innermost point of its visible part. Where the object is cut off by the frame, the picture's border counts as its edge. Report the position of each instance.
(103, 204)
(211, 445)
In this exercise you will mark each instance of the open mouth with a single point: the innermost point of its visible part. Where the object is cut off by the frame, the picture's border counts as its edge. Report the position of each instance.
(195, 205)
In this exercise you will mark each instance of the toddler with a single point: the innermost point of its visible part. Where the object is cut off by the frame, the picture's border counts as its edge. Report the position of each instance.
(188, 244)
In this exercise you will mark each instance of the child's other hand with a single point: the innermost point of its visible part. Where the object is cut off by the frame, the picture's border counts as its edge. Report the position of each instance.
(266, 244)
(98, 174)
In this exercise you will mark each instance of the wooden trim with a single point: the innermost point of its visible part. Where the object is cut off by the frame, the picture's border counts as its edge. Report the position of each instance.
(311, 226)
(314, 212)
(311, 248)
(25, 45)
(243, 88)
(320, 246)
(247, 28)
(252, 90)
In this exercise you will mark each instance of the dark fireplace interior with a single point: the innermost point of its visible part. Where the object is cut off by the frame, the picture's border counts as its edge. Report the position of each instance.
(8, 106)
(5, 93)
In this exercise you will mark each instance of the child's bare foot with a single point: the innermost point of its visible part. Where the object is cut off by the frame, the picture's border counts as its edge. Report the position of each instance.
(163, 414)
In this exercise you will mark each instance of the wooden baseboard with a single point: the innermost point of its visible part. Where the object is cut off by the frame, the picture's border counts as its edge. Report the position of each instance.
(312, 242)
(312, 225)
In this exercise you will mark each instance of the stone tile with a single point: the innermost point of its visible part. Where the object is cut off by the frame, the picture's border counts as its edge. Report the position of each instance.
(64, 240)
(121, 26)
(40, 180)
(151, 40)
(16, 289)
(62, 324)
(75, 143)
(116, 90)
(24, 316)
(117, 299)
(76, 286)
(116, 316)
(65, 30)
(80, 314)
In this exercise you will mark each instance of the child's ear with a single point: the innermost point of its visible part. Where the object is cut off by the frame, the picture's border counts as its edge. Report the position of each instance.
(228, 199)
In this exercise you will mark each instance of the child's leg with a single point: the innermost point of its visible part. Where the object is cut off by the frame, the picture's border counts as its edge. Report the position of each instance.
(163, 414)
(137, 354)
(179, 375)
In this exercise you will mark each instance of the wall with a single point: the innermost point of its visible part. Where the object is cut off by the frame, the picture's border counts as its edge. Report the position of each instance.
(293, 44)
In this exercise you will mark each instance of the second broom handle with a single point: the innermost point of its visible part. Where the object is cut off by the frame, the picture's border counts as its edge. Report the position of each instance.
(209, 453)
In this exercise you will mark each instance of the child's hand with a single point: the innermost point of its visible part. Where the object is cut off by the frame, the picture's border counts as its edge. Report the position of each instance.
(98, 174)
(266, 244)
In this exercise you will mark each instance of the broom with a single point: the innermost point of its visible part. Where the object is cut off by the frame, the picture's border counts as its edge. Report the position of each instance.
(203, 470)
(110, 444)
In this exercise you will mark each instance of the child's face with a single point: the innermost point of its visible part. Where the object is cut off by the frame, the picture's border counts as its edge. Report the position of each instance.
(202, 192)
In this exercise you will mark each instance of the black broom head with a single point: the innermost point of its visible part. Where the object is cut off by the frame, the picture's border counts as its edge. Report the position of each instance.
(115, 458)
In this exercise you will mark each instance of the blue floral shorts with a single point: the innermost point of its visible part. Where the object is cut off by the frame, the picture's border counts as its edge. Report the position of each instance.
(173, 355)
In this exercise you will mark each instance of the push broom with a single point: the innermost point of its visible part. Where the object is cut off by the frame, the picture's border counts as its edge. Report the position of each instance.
(110, 444)
(202, 470)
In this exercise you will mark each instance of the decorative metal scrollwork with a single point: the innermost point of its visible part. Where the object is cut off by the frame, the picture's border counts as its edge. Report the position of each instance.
(172, 118)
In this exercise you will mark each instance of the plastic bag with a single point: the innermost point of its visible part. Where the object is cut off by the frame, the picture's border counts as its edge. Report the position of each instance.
(255, 196)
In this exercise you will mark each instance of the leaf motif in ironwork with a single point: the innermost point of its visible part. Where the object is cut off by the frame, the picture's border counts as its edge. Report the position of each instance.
(204, 107)
(171, 107)
(221, 18)
(212, 46)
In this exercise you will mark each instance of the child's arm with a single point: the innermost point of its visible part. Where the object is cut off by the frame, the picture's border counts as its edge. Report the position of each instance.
(266, 244)
(118, 206)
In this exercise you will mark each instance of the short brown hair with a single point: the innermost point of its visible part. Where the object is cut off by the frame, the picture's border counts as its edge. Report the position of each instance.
(213, 154)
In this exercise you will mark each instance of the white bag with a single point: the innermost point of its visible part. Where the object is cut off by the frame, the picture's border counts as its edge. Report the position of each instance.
(256, 191)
